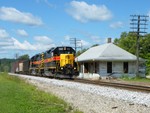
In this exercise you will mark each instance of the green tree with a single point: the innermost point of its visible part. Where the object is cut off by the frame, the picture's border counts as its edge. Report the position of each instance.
(5, 64)
(145, 50)
(127, 41)
(95, 45)
(6, 68)
(80, 52)
(83, 50)
(24, 57)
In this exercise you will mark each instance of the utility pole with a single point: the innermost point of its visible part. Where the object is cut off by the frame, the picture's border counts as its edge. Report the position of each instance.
(76, 43)
(16, 55)
(138, 23)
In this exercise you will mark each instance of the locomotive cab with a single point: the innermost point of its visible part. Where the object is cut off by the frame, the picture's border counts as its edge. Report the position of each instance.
(66, 65)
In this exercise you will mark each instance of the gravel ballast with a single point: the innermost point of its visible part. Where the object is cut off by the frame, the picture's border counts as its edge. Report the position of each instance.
(93, 99)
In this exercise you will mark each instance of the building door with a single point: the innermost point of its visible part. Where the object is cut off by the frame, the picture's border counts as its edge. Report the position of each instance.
(86, 67)
(125, 67)
(109, 67)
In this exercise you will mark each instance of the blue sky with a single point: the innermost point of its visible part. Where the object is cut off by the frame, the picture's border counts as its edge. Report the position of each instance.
(33, 26)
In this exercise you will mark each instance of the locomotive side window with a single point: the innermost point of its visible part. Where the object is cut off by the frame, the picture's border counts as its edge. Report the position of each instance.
(60, 49)
(68, 48)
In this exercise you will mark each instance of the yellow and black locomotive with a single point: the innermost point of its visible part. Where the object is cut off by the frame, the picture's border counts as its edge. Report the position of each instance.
(56, 62)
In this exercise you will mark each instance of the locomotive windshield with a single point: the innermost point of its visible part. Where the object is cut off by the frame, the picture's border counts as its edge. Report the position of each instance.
(64, 50)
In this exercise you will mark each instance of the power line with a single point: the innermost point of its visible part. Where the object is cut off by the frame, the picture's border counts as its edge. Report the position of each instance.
(139, 24)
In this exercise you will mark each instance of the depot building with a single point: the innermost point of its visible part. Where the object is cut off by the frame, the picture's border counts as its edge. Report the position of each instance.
(108, 60)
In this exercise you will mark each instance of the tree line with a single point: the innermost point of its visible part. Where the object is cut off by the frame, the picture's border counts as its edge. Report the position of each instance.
(5, 64)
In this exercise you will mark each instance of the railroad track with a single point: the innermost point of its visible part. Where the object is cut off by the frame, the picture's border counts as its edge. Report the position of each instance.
(113, 84)
(116, 85)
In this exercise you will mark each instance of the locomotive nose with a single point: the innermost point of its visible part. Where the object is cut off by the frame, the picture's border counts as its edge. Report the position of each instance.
(66, 59)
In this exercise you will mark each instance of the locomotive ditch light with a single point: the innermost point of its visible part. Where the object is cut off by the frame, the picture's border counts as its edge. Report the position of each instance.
(61, 68)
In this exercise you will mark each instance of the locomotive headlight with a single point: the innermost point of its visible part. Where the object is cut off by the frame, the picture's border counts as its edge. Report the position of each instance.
(74, 67)
(61, 68)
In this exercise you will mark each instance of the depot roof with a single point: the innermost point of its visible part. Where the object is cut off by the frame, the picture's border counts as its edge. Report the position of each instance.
(106, 52)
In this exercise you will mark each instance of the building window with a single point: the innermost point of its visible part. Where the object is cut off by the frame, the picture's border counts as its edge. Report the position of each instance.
(125, 67)
(109, 67)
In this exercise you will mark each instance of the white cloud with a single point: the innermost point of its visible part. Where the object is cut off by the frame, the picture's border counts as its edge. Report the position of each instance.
(6, 43)
(43, 47)
(39, 46)
(116, 25)
(148, 13)
(66, 41)
(4, 39)
(22, 32)
(41, 43)
(67, 37)
(3, 52)
(47, 2)
(69, 42)
(84, 12)
(21, 46)
(14, 15)
(43, 39)
(11, 45)
(3, 33)
(85, 43)
(95, 39)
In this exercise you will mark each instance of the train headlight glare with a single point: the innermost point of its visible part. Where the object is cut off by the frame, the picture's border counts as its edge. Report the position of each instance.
(74, 67)
(61, 68)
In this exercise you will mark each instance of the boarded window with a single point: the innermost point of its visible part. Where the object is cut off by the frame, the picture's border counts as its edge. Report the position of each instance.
(125, 67)
(109, 67)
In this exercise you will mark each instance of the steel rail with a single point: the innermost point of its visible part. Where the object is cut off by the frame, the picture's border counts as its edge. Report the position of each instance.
(116, 85)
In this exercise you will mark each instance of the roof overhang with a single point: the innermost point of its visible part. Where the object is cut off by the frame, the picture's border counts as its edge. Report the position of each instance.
(109, 59)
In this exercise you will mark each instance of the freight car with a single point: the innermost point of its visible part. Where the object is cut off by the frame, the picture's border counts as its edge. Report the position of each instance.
(55, 62)
(20, 66)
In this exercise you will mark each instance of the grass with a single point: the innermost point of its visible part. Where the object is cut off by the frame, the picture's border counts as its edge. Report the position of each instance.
(16, 96)
(136, 79)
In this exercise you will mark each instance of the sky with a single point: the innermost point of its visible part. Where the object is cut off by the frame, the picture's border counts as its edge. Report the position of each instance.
(34, 26)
